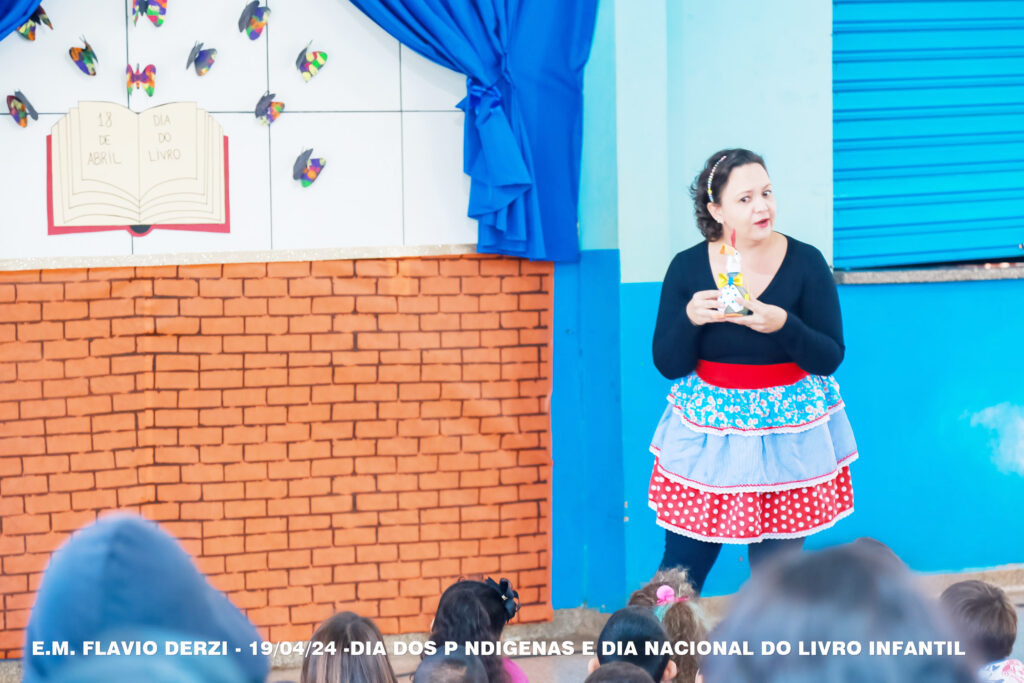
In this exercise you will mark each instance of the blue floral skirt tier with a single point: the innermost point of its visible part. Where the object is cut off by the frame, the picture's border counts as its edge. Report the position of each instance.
(749, 452)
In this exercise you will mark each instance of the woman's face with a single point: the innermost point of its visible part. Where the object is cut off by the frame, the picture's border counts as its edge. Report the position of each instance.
(746, 204)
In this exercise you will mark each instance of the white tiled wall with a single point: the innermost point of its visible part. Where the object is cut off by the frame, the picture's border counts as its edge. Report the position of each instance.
(357, 199)
(435, 207)
(383, 117)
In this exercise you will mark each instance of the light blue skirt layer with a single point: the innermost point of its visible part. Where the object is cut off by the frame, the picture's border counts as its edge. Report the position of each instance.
(778, 454)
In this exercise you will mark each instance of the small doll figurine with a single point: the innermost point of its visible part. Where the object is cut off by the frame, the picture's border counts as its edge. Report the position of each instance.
(732, 293)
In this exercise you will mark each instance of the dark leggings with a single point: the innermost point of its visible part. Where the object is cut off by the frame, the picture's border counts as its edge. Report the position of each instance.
(697, 557)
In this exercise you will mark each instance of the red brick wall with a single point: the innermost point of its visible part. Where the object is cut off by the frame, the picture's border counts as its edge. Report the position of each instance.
(320, 436)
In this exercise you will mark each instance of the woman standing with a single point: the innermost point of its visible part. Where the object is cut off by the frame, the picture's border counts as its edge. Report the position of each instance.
(754, 446)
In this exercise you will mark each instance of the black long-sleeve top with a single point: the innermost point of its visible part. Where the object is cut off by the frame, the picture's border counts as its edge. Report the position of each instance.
(812, 336)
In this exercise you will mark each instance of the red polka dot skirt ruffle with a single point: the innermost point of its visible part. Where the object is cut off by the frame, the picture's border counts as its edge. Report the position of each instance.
(749, 516)
(762, 452)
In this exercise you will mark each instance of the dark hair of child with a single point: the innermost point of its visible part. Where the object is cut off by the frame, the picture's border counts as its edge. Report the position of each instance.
(474, 611)
(343, 629)
(682, 619)
(850, 593)
(639, 626)
(619, 672)
(984, 616)
(454, 667)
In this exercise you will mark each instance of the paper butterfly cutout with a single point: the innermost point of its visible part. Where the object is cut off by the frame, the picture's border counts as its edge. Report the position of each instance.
(20, 108)
(84, 58)
(309, 62)
(28, 29)
(203, 59)
(146, 79)
(253, 19)
(154, 10)
(306, 170)
(267, 110)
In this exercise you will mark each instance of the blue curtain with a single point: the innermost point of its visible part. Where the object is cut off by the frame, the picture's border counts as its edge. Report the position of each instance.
(523, 61)
(14, 13)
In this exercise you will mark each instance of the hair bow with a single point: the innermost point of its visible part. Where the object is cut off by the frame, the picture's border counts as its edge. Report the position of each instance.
(666, 598)
(509, 597)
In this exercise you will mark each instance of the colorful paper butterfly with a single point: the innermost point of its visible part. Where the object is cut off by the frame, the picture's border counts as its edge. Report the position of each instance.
(84, 58)
(309, 62)
(154, 10)
(253, 19)
(28, 29)
(20, 108)
(146, 79)
(306, 170)
(267, 110)
(203, 59)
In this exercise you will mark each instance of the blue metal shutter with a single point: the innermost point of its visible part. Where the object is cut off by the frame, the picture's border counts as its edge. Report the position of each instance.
(928, 131)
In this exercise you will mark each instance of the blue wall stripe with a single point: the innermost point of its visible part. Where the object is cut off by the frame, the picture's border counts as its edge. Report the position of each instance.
(587, 500)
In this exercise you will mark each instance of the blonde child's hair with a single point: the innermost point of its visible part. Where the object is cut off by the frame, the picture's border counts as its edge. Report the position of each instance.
(684, 620)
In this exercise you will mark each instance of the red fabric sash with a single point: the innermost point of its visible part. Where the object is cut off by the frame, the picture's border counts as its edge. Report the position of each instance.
(742, 376)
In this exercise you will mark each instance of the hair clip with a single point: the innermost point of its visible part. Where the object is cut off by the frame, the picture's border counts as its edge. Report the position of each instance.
(666, 598)
(509, 597)
(711, 177)
(667, 595)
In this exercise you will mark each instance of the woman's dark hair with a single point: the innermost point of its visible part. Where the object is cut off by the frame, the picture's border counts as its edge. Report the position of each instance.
(619, 672)
(850, 593)
(708, 226)
(984, 616)
(639, 626)
(343, 629)
(474, 611)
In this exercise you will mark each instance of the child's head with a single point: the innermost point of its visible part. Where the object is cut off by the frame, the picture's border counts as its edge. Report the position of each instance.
(984, 616)
(475, 611)
(673, 599)
(619, 672)
(631, 629)
(849, 593)
(343, 629)
(455, 667)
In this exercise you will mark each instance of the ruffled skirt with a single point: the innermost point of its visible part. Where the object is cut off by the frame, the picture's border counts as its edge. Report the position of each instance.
(742, 465)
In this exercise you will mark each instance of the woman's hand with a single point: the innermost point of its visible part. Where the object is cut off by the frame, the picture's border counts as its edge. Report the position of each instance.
(765, 318)
(703, 308)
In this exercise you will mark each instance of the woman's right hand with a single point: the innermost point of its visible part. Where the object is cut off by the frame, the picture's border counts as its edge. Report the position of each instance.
(703, 308)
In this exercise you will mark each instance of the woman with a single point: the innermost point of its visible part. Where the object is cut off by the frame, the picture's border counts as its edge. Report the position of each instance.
(754, 446)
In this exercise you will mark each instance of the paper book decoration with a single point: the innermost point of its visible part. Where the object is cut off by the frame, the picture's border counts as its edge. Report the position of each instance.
(84, 58)
(21, 109)
(109, 168)
(154, 10)
(145, 79)
(202, 59)
(253, 19)
(38, 17)
(309, 62)
(267, 110)
(306, 170)
(732, 293)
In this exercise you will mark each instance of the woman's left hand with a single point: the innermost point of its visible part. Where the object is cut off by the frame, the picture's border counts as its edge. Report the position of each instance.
(765, 318)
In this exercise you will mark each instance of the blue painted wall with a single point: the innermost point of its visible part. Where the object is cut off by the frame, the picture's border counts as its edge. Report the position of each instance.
(932, 385)
(586, 505)
(931, 375)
